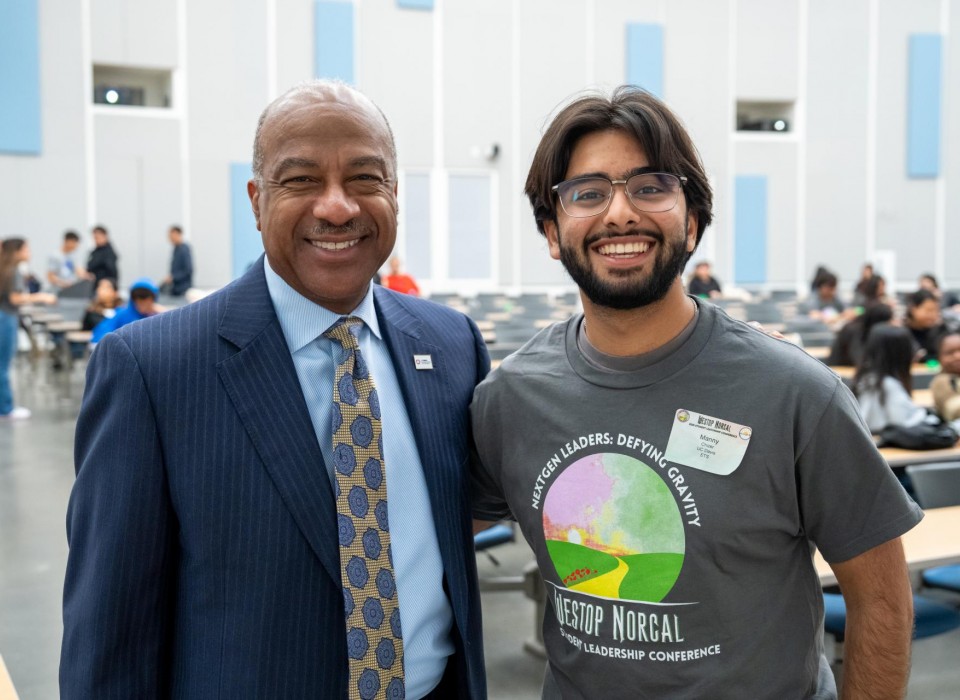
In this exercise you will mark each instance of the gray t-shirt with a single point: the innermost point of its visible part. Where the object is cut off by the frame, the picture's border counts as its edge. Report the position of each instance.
(13, 284)
(63, 266)
(673, 509)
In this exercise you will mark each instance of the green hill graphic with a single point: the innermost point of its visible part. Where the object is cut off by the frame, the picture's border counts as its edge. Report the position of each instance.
(641, 577)
(650, 576)
(569, 558)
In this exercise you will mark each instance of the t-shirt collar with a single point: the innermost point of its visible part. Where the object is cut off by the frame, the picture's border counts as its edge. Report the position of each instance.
(303, 320)
(664, 368)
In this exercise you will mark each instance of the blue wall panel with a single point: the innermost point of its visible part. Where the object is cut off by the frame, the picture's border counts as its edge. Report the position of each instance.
(645, 56)
(923, 105)
(333, 40)
(247, 244)
(20, 127)
(750, 229)
(415, 4)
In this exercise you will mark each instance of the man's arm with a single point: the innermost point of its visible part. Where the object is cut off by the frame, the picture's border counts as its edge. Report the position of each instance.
(56, 281)
(121, 530)
(876, 590)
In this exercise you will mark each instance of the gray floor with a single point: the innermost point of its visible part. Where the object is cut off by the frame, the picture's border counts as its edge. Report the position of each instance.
(36, 473)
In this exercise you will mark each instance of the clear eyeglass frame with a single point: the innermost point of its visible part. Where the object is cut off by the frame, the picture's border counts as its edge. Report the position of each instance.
(645, 205)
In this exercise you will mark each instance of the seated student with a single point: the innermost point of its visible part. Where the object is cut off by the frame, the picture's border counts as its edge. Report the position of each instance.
(818, 275)
(823, 303)
(143, 303)
(925, 324)
(883, 384)
(104, 304)
(848, 343)
(702, 283)
(948, 300)
(859, 292)
(874, 290)
(946, 385)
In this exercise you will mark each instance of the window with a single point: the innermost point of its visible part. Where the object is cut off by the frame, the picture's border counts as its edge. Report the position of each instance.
(131, 87)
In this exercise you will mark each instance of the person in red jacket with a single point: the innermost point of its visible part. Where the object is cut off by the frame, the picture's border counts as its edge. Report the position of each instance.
(398, 281)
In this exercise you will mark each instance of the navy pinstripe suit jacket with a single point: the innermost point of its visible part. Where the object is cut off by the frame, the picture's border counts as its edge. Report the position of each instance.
(202, 524)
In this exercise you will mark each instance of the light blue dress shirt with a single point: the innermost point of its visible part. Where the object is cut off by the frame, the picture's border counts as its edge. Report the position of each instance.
(425, 614)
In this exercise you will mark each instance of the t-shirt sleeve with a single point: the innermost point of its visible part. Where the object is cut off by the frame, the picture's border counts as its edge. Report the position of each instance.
(486, 490)
(850, 501)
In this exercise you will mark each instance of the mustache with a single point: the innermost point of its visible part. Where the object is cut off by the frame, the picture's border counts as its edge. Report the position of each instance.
(322, 228)
(593, 238)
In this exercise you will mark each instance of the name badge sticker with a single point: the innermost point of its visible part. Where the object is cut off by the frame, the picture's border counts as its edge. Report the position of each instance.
(706, 443)
(423, 361)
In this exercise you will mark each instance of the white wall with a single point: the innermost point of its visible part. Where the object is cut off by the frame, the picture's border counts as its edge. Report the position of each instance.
(838, 144)
(227, 87)
(472, 73)
(906, 208)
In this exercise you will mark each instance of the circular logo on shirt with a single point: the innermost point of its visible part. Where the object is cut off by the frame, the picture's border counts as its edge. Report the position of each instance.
(613, 529)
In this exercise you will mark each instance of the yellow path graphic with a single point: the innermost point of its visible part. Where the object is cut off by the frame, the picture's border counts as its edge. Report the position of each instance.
(606, 585)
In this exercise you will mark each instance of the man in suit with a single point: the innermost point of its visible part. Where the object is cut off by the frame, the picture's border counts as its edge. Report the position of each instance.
(203, 525)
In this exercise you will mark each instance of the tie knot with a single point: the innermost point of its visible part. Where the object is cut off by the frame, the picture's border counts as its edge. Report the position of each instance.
(345, 332)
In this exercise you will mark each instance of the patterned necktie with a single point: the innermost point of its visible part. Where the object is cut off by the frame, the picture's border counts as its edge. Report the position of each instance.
(374, 640)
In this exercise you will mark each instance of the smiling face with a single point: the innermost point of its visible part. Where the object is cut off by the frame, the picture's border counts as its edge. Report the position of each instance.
(622, 258)
(326, 205)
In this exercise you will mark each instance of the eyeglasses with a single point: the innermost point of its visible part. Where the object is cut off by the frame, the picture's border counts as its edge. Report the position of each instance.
(650, 192)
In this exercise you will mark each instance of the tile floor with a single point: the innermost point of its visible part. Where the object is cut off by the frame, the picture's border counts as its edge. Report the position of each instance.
(36, 473)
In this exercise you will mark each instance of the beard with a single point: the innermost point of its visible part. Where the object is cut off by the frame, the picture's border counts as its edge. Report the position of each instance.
(630, 291)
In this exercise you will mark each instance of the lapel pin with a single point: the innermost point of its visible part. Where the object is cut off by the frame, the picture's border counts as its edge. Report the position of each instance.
(423, 361)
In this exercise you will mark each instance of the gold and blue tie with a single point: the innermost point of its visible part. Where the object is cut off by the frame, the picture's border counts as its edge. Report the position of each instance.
(374, 639)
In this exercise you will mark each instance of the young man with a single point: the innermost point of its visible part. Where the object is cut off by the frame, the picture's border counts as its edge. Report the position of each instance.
(142, 304)
(251, 536)
(180, 278)
(62, 268)
(671, 467)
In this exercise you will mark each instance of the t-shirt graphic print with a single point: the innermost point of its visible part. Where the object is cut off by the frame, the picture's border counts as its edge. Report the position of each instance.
(613, 529)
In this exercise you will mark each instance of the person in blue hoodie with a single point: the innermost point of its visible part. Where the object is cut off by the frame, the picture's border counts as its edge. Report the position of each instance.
(143, 303)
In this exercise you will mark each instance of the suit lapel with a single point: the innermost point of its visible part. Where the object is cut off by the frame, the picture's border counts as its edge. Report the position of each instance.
(432, 414)
(262, 384)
